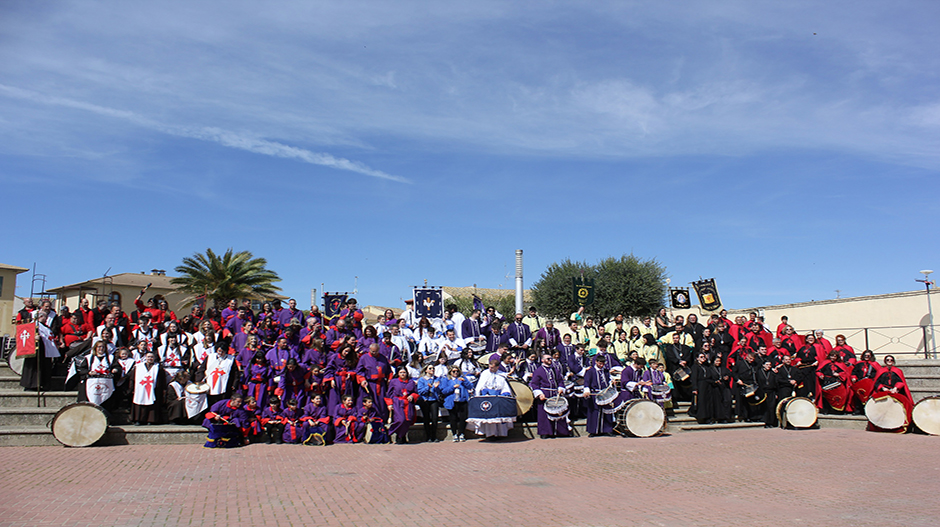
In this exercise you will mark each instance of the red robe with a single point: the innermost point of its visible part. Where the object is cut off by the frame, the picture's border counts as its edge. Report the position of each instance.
(839, 398)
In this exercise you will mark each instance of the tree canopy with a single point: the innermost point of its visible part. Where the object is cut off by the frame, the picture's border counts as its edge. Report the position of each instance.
(231, 276)
(626, 286)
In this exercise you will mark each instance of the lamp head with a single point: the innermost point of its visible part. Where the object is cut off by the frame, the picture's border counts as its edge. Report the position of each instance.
(926, 272)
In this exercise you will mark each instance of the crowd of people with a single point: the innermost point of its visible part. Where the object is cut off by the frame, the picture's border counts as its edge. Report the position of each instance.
(285, 375)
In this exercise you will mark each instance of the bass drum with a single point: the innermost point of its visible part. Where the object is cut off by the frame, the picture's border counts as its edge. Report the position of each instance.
(886, 413)
(796, 412)
(926, 415)
(15, 363)
(524, 397)
(641, 418)
(79, 424)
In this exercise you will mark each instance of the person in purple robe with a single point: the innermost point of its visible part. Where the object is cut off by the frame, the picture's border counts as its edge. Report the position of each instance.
(400, 399)
(349, 429)
(314, 355)
(240, 342)
(391, 351)
(278, 357)
(292, 334)
(602, 347)
(246, 419)
(293, 426)
(352, 314)
(267, 332)
(287, 315)
(653, 384)
(256, 380)
(318, 425)
(370, 419)
(548, 381)
(519, 336)
(229, 312)
(341, 334)
(271, 421)
(294, 382)
(235, 324)
(600, 417)
(219, 421)
(373, 373)
(548, 336)
(368, 338)
(313, 330)
(495, 337)
(340, 377)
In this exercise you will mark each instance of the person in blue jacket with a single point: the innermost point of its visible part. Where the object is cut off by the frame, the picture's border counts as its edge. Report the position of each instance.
(456, 389)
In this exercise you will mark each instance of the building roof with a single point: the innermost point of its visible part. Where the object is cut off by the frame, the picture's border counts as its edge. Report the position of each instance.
(481, 292)
(13, 268)
(122, 279)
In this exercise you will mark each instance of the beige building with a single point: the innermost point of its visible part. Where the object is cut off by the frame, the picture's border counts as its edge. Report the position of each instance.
(122, 288)
(7, 295)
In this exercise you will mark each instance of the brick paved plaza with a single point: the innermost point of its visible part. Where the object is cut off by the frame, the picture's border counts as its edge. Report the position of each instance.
(727, 477)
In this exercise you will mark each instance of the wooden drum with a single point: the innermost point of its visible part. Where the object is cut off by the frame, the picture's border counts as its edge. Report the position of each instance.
(524, 396)
(796, 412)
(79, 424)
(641, 418)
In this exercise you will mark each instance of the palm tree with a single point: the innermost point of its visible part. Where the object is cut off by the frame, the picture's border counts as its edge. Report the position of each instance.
(233, 276)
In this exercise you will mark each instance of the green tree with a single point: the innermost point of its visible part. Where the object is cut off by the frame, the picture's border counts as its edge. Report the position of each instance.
(233, 275)
(625, 285)
(504, 304)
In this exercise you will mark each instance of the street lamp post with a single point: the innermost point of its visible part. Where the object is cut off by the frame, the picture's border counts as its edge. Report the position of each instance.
(927, 283)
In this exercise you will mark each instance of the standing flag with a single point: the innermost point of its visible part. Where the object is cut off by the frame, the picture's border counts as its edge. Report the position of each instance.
(333, 303)
(200, 302)
(680, 297)
(50, 350)
(583, 291)
(429, 302)
(707, 293)
(478, 304)
(26, 340)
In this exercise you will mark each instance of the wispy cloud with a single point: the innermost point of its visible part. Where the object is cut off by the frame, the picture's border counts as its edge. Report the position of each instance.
(204, 133)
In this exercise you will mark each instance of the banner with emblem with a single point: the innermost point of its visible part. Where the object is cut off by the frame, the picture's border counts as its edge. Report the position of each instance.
(583, 291)
(429, 302)
(333, 303)
(707, 293)
(680, 297)
(26, 340)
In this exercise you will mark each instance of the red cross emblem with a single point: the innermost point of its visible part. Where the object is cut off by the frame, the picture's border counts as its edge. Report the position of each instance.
(147, 383)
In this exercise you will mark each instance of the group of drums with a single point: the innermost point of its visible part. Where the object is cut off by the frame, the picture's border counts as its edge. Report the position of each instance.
(636, 417)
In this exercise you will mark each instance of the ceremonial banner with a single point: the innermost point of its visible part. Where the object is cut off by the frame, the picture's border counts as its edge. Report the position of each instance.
(478, 304)
(583, 291)
(429, 303)
(50, 350)
(707, 293)
(333, 303)
(26, 340)
(680, 297)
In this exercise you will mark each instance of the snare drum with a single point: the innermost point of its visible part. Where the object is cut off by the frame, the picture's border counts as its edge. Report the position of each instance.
(641, 418)
(79, 424)
(749, 390)
(926, 415)
(615, 374)
(607, 396)
(197, 389)
(556, 407)
(796, 412)
(681, 374)
(524, 397)
(831, 386)
(886, 412)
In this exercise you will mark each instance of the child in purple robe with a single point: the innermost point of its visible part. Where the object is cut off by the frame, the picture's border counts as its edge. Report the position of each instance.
(272, 422)
(346, 422)
(654, 387)
(341, 376)
(293, 383)
(318, 427)
(246, 418)
(370, 417)
(293, 426)
(257, 379)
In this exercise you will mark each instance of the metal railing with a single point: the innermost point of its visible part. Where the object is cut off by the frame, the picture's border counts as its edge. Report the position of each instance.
(908, 342)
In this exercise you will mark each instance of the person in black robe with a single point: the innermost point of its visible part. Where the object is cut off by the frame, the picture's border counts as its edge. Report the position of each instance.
(767, 390)
(677, 356)
(745, 372)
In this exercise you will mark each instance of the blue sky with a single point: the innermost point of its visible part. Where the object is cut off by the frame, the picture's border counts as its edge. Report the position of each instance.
(785, 149)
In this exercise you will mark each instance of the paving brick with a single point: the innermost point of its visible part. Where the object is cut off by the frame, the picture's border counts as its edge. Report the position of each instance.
(722, 477)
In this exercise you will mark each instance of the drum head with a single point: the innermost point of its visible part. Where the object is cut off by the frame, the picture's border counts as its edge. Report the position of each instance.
(368, 437)
(886, 412)
(524, 397)
(16, 364)
(926, 415)
(643, 418)
(79, 424)
(800, 412)
(197, 389)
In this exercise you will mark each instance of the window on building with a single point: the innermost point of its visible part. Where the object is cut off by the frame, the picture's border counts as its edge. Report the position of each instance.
(115, 297)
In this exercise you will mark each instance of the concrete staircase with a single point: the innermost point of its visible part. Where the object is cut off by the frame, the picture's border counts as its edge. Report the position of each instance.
(25, 418)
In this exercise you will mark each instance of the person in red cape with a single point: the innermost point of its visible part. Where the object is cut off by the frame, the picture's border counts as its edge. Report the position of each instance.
(822, 345)
(846, 353)
(890, 382)
(791, 340)
(834, 380)
(863, 380)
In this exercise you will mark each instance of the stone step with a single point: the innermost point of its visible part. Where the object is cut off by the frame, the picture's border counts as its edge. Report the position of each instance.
(921, 380)
(10, 381)
(917, 395)
(20, 398)
(854, 422)
(718, 426)
(26, 416)
(115, 435)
